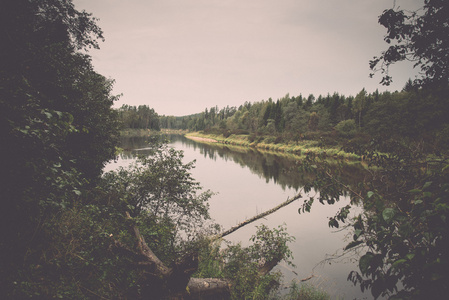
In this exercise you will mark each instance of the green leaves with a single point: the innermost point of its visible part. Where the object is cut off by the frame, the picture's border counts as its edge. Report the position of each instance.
(398, 263)
(427, 185)
(333, 223)
(365, 262)
(353, 244)
(243, 264)
(357, 233)
(388, 214)
(307, 206)
(161, 187)
(420, 36)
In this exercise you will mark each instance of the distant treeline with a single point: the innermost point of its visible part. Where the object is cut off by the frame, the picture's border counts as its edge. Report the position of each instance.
(409, 113)
(141, 117)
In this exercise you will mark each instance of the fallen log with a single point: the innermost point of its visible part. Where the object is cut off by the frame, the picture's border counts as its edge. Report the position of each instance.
(257, 217)
(208, 288)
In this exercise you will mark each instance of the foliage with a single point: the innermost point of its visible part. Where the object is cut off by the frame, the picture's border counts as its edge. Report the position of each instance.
(141, 117)
(159, 191)
(78, 263)
(404, 224)
(56, 123)
(88, 250)
(419, 36)
(89, 253)
(245, 265)
(418, 116)
(347, 128)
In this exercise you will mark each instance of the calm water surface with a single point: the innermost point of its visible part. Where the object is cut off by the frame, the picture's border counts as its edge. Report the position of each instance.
(248, 182)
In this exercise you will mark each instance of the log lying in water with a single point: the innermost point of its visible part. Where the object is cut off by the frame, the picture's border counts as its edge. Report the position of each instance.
(259, 216)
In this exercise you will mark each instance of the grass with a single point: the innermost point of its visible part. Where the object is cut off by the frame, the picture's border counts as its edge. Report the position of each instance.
(268, 143)
(306, 291)
(309, 292)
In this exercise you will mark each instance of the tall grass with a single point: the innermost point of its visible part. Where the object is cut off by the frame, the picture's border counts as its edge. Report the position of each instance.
(306, 292)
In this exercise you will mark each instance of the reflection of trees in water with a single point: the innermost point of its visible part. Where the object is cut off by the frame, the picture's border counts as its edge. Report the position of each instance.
(131, 143)
(283, 170)
(133, 146)
(269, 166)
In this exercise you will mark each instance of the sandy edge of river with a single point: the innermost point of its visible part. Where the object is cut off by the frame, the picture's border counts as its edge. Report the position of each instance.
(201, 139)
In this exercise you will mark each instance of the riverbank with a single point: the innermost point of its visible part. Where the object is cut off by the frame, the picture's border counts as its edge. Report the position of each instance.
(202, 139)
(268, 143)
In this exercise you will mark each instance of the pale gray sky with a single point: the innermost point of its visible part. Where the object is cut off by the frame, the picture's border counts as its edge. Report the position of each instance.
(181, 56)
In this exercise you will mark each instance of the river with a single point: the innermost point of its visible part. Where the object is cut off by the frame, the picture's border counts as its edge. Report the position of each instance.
(248, 182)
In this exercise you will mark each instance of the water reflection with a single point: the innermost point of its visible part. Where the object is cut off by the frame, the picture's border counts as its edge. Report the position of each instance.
(282, 169)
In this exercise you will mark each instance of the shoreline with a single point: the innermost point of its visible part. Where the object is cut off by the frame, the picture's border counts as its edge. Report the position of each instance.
(298, 149)
(201, 139)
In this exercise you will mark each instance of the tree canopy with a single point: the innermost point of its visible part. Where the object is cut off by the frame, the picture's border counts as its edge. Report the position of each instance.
(420, 36)
(57, 125)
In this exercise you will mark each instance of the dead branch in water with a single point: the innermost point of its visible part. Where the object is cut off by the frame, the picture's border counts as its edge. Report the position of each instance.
(257, 217)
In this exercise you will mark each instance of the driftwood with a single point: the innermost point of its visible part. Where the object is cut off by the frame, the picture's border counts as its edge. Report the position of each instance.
(208, 288)
(259, 216)
(159, 281)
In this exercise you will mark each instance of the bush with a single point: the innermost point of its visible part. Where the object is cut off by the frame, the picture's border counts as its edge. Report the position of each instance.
(243, 264)
(346, 128)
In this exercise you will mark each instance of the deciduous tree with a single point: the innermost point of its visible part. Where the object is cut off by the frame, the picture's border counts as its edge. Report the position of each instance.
(420, 36)
(57, 127)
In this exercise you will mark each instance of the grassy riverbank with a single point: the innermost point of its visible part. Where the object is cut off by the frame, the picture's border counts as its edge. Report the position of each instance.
(265, 143)
(269, 143)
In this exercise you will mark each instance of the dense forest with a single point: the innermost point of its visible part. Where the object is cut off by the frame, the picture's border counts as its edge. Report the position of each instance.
(141, 117)
(412, 113)
(68, 231)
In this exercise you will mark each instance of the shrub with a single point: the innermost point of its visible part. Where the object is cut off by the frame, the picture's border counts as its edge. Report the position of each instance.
(346, 128)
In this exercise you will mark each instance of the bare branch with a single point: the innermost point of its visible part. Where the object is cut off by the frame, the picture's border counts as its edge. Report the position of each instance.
(257, 217)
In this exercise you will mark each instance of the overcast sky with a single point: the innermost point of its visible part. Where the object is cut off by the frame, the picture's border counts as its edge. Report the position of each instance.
(181, 56)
